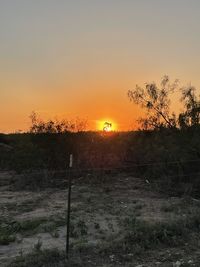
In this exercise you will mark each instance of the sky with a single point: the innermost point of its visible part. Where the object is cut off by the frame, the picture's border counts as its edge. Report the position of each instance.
(64, 59)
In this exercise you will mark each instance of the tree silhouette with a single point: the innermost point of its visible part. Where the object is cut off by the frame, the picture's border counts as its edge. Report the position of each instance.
(156, 101)
(55, 126)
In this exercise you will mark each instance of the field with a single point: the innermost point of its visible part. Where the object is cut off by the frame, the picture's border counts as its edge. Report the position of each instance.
(116, 220)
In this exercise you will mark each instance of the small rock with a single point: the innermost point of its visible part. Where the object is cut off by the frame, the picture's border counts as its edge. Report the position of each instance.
(177, 264)
(112, 257)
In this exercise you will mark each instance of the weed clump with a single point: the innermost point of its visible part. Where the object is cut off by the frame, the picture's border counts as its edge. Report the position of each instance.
(139, 236)
(148, 235)
(39, 258)
(9, 228)
(44, 258)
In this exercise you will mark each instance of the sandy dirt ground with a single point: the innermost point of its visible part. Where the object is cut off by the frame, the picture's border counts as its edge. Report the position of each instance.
(98, 208)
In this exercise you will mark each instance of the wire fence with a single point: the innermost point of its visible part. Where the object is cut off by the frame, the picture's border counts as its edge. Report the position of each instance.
(129, 167)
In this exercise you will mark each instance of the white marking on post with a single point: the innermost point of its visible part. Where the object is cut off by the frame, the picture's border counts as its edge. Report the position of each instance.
(71, 161)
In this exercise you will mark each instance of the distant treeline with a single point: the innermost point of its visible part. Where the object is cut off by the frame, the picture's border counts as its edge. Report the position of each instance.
(171, 157)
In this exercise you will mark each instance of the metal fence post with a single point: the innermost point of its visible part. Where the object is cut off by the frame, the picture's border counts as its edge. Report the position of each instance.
(69, 205)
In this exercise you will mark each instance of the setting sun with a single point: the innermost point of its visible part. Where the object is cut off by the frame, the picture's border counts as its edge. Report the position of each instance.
(106, 125)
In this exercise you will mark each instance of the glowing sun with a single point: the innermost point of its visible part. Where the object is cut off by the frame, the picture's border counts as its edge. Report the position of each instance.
(106, 126)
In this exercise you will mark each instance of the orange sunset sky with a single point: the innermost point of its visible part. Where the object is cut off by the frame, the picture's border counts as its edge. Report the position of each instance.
(79, 58)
